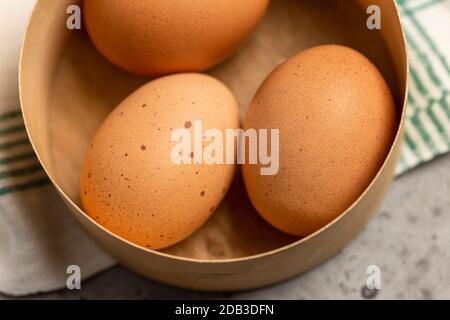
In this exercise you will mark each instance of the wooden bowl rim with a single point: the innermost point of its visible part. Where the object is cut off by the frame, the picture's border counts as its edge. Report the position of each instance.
(395, 144)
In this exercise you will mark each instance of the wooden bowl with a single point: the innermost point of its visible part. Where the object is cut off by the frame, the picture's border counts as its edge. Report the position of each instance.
(67, 89)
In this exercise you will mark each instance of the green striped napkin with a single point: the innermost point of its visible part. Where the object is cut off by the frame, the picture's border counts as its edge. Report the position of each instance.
(427, 29)
(39, 239)
(19, 168)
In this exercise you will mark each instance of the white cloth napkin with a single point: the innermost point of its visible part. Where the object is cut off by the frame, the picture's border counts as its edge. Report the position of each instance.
(39, 238)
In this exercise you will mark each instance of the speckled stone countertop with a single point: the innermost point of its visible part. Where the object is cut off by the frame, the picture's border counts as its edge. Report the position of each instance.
(408, 238)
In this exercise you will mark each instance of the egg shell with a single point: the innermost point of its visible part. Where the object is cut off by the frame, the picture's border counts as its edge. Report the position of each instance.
(129, 183)
(337, 119)
(154, 38)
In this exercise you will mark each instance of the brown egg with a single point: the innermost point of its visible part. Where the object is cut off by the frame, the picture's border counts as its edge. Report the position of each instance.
(336, 119)
(130, 183)
(154, 38)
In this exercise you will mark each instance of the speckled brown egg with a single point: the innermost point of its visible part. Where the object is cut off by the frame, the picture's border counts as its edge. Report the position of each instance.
(154, 38)
(336, 119)
(129, 181)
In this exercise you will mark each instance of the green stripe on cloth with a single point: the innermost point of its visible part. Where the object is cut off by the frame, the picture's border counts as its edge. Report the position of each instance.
(20, 171)
(424, 134)
(15, 143)
(424, 5)
(29, 173)
(427, 131)
(16, 158)
(10, 114)
(424, 58)
(24, 186)
(12, 129)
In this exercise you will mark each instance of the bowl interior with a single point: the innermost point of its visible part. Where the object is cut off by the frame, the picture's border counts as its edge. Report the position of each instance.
(82, 88)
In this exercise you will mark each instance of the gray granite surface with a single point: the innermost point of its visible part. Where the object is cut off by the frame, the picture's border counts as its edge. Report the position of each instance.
(409, 239)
